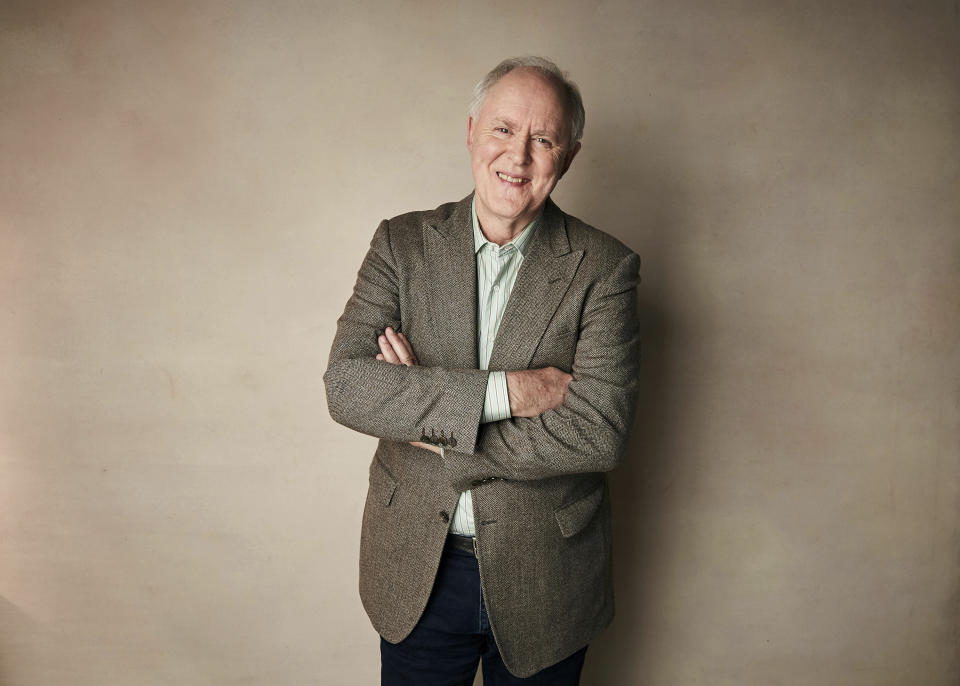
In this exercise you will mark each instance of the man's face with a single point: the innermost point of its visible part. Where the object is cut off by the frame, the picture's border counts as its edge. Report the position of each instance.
(519, 148)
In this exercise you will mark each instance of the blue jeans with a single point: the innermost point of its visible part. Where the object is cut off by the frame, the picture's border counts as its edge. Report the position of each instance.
(454, 635)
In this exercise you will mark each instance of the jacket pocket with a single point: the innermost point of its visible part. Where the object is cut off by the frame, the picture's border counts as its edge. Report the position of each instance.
(574, 517)
(382, 484)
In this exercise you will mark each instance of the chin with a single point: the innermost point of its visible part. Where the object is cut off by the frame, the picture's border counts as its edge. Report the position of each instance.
(511, 212)
(514, 204)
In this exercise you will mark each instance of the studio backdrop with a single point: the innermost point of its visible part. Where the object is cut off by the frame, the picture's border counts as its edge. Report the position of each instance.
(187, 190)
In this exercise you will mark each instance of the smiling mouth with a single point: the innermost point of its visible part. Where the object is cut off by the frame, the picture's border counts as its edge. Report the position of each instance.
(516, 180)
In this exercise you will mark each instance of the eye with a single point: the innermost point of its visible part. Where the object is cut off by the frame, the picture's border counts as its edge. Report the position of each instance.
(545, 142)
(501, 129)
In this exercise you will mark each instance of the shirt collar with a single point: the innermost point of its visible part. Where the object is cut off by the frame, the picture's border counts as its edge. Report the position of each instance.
(521, 241)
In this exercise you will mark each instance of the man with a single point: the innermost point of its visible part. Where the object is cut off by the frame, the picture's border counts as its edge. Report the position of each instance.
(491, 344)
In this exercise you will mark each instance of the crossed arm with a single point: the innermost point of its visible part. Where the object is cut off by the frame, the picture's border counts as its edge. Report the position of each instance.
(561, 423)
(530, 391)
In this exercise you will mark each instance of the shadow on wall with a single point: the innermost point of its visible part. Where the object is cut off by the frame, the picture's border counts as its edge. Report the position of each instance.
(648, 190)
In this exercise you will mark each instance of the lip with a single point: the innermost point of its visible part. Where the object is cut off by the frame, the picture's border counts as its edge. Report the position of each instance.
(523, 180)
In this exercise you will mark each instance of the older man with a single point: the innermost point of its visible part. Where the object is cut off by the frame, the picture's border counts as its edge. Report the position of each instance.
(491, 345)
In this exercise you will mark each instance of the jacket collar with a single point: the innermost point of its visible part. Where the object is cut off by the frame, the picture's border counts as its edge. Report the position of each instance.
(551, 227)
(547, 270)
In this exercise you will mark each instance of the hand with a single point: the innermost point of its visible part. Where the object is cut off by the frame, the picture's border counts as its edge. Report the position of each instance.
(534, 391)
(396, 349)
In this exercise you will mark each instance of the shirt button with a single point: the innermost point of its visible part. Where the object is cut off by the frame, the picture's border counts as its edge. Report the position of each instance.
(444, 516)
(496, 288)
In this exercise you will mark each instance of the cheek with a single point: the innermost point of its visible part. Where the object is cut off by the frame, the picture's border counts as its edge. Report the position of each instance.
(549, 171)
(487, 148)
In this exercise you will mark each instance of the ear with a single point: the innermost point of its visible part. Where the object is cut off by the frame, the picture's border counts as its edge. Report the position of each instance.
(569, 160)
(470, 134)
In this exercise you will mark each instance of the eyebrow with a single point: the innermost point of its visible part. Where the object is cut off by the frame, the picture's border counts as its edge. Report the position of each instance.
(512, 125)
(501, 120)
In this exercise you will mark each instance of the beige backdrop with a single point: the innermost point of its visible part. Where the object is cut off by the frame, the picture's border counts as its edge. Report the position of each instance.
(187, 190)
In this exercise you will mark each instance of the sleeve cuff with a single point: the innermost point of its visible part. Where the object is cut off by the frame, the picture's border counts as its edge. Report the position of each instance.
(496, 404)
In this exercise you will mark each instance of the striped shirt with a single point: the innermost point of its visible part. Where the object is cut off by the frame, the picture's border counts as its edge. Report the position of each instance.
(497, 268)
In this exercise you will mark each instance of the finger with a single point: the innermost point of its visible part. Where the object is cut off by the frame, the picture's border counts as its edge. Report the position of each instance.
(400, 347)
(387, 350)
(380, 357)
(409, 347)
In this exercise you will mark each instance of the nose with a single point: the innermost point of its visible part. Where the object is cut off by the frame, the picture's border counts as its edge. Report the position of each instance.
(520, 150)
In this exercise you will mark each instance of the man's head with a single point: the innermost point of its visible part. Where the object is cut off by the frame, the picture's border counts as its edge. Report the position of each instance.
(524, 130)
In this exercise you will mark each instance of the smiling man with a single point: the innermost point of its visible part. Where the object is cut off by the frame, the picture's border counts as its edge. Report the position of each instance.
(491, 345)
(521, 142)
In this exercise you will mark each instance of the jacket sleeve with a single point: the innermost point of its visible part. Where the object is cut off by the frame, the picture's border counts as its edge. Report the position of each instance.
(589, 431)
(394, 402)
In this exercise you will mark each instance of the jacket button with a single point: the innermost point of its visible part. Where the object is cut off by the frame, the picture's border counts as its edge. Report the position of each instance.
(444, 516)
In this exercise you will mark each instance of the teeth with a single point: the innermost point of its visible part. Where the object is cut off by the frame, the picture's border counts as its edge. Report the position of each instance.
(511, 179)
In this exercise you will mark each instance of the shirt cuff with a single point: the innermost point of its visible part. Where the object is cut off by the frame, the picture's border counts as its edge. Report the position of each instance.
(496, 404)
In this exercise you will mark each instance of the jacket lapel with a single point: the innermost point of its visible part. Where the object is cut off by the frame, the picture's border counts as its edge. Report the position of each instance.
(544, 277)
(452, 287)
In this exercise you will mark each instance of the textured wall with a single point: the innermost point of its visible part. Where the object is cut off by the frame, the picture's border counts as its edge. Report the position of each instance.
(186, 192)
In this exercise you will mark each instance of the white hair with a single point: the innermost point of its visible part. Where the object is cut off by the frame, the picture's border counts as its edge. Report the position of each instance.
(568, 88)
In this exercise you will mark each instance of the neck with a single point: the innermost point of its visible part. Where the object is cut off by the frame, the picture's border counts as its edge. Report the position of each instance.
(501, 231)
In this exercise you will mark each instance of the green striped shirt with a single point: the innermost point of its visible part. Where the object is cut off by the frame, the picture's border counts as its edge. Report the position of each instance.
(497, 268)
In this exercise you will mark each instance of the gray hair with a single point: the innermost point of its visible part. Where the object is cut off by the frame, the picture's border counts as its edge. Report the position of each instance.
(559, 77)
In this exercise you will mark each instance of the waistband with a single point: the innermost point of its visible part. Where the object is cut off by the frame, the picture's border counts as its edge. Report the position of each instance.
(464, 543)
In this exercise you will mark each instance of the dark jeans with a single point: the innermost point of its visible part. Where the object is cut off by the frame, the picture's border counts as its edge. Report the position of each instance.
(453, 636)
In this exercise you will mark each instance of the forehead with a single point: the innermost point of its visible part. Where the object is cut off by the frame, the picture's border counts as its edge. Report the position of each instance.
(528, 95)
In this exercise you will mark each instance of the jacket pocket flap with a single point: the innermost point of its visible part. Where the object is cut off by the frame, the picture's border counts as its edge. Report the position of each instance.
(382, 484)
(574, 517)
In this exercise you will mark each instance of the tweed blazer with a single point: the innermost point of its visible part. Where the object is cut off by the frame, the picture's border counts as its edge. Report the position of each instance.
(540, 497)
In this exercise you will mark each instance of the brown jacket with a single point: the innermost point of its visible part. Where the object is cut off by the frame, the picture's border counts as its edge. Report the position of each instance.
(540, 498)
